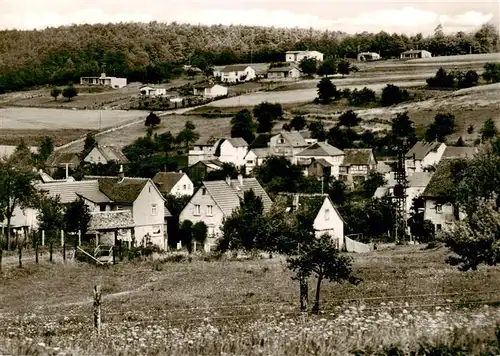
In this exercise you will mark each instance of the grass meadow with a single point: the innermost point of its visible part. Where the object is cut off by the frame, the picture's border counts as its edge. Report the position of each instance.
(409, 301)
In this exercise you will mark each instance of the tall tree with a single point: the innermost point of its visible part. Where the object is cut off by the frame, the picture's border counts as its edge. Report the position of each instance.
(489, 130)
(69, 92)
(298, 122)
(443, 125)
(242, 125)
(152, 120)
(309, 66)
(266, 115)
(323, 260)
(403, 127)
(327, 92)
(46, 149)
(76, 217)
(344, 67)
(349, 119)
(165, 142)
(188, 135)
(50, 215)
(55, 92)
(89, 143)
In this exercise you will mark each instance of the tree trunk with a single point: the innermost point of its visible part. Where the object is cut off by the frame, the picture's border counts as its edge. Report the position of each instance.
(7, 236)
(20, 256)
(304, 294)
(36, 252)
(1, 253)
(51, 247)
(315, 309)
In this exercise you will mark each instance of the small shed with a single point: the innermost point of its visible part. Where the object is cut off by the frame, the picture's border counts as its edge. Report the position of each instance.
(112, 227)
(413, 54)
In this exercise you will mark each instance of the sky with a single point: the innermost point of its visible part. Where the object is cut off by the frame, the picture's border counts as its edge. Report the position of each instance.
(352, 16)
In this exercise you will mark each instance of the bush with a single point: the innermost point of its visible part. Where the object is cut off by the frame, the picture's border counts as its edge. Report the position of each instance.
(392, 95)
(467, 80)
(361, 97)
(442, 79)
(492, 72)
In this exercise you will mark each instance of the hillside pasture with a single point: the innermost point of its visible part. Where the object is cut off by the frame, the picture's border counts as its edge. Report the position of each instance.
(408, 295)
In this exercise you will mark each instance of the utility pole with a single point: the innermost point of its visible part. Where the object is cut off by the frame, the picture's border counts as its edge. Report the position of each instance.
(400, 189)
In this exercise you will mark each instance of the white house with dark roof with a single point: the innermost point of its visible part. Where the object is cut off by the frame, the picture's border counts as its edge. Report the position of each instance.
(454, 152)
(358, 163)
(255, 157)
(236, 73)
(423, 155)
(283, 73)
(204, 149)
(106, 154)
(104, 80)
(324, 154)
(416, 53)
(233, 150)
(174, 183)
(210, 90)
(297, 56)
(215, 200)
(287, 143)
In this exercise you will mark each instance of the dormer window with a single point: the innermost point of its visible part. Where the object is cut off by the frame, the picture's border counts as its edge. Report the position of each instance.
(280, 140)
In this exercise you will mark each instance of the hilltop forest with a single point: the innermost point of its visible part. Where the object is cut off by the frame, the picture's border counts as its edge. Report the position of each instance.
(154, 51)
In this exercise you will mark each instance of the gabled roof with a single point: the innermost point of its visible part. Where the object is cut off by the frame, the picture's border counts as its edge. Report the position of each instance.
(112, 153)
(322, 162)
(167, 180)
(237, 142)
(357, 156)
(422, 149)
(211, 163)
(70, 191)
(417, 179)
(282, 69)
(309, 201)
(383, 167)
(261, 141)
(207, 141)
(321, 149)
(294, 138)
(442, 180)
(306, 134)
(58, 158)
(260, 152)
(415, 51)
(234, 68)
(122, 190)
(452, 152)
(228, 197)
(110, 220)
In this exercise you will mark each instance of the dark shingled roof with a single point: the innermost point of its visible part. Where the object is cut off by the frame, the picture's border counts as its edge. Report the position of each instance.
(421, 149)
(206, 141)
(166, 180)
(120, 190)
(112, 153)
(306, 201)
(452, 152)
(237, 142)
(356, 156)
(234, 68)
(282, 69)
(69, 191)
(442, 181)
(322, 162)
(59, 158)
(261, 141)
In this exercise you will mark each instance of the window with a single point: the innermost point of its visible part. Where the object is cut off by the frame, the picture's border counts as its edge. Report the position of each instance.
(210, 210)
(438, 227)
(327, 214)
(203, 191)
(154, 209)
(210, 231)
(184, 187)
(197, 210)
(156, 229)
(280, 140)
(249, 161)
(102, 207)
(439, 208)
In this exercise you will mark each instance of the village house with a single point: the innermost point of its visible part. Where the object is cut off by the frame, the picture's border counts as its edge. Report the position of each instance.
(106, 155)
(204, 149)
(287, 144)
(233, 150)
(453, 152)
(150, 91)
(423, 155)
(297, 56)
(216, 200)
(142, 197)
(283, 73)
(415, 186)
(321, 157)
(368, 56)
(236, 73)
(58, 159)
(357, 164)
(437, 207)
(112, 227)
(199, 170)
(209, 90)
(255, 157)
(418, 53)
(103, 80)
(307, 135)
(174, 183)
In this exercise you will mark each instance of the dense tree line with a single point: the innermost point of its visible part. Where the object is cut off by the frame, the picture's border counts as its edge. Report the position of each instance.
(153, 52)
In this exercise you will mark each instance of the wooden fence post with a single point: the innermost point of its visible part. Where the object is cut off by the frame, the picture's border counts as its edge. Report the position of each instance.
(36, 252)
(51, 250)
(62, 238)
(20, 248)
(1, 254)
(64, 252)
(43, 237)
(79, 237)
(97, 309)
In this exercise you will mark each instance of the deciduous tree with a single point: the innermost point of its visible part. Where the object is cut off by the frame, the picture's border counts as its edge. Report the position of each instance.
(266, 115)
(69, 92)
(242, 125)
(327, 92)
(55, 92)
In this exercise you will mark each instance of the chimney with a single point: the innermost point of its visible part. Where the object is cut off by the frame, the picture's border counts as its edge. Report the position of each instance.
(228, 180)
(240, 179)
(121, 175)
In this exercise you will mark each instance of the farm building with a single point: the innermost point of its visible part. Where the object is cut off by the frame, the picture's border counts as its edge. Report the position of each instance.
(175, 183)
(280, 73)
(209, 90)
(103, 80)
(150, 91)
(368, 56)
(237, 73)
(297, 56)
(106, 155)
(418, 53)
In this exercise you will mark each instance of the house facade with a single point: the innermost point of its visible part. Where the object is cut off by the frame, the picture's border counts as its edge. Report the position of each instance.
(150, 91)
(423, 155)
(210, 90)
(357, 164)
(58, 159)
(368, 56)
(233, 150)
(283, 73)
(255, 157)
(215, 200)
(199, 170)
(297, 56)
(106, 155)
(206, 148)
(323, 155)
(413, 54)
(174, 183)
(104, 80)
(287, 144)
(237, 73)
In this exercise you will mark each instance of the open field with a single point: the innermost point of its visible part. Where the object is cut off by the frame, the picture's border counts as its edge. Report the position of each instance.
(408, 295)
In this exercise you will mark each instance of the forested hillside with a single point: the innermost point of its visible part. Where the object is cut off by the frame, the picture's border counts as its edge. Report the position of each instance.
(154, 51)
